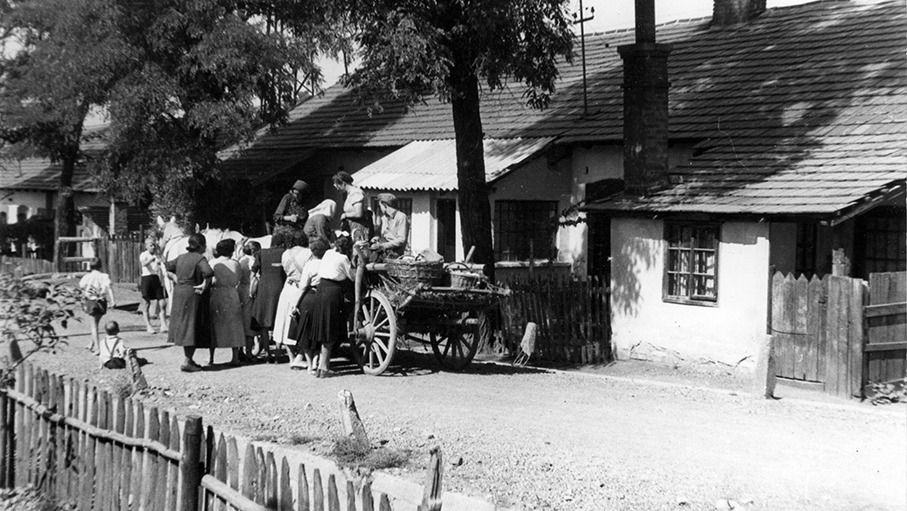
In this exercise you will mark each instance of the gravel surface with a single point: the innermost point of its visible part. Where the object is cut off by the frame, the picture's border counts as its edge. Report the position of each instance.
(542, 440)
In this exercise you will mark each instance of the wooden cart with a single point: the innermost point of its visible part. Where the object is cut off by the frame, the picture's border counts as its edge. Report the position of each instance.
(388, 311)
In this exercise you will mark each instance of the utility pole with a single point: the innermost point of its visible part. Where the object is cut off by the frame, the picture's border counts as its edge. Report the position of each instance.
(581, 18)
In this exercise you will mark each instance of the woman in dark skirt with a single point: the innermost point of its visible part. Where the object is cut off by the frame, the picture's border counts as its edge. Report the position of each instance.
(335, 282)
(189, 323)
(269, 286)
(301, 327)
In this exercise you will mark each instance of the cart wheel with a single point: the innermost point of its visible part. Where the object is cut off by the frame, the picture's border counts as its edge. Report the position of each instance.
(375, 342)
(455, 346)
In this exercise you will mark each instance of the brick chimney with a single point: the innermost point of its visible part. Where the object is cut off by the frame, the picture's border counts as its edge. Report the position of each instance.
(645, 105)
(730, 12)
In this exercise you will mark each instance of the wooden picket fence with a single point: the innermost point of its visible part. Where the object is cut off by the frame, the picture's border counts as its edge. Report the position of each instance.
(25, 266)
(838, 333)
(79, 444)
(86, 446)
(122, 256)
(573, 317)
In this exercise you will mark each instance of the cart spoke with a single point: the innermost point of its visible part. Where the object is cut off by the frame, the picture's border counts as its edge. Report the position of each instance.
(381, 344)
(383, 322)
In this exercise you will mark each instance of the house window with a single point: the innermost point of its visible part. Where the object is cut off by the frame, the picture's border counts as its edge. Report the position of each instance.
(524, 227)
(881, 243)
(691, 269)
(806, 249)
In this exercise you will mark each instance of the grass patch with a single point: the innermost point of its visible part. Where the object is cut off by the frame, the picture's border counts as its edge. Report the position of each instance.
(297, 439)
(353, 454)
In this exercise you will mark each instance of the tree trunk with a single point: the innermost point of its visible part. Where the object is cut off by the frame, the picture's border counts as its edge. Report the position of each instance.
(475, 210)
(65, 214)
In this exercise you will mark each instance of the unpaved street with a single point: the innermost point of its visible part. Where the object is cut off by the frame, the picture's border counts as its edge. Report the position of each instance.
(541, 440)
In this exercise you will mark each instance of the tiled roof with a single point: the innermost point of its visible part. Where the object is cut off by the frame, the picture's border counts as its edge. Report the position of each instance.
(801, 109)
(432, 164)
(43, 174)
(39, 174)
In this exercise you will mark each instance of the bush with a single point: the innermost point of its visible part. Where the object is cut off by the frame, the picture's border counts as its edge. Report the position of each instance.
(351, 453)
(29, 313)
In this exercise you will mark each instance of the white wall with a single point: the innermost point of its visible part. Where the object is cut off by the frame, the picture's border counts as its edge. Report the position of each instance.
(35, 201)
(645, 326)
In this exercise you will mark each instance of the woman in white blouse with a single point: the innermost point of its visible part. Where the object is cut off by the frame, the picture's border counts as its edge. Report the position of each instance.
(301, 328)
(335, 281)
(293, 261)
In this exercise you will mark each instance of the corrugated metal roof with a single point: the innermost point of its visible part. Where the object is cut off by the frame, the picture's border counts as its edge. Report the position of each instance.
(432, 164)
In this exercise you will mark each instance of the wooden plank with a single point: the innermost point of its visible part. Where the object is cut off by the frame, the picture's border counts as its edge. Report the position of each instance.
(885, 309)
(232, 463)
(384, 503)
(285, 503)
(302, 490)
(174, 471)
(799, 323)
(271, 483)
(333, 498)
(150, 462)
(822, 330)
(67, 453)
(885, 346)
(87, 491)
(368, 502)
(856, 337)
(317, 491)
(249, 473)
(812, 327)
(835, 331)
(102, 493)
(262, 489)
(138, 457)
(219, 470)
(126, 455)
(164, 466)
(350, 496)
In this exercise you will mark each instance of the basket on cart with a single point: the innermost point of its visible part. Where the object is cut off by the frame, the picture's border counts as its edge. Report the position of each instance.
(411, 272)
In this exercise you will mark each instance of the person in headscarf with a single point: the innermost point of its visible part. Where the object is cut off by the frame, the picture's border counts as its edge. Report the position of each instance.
(320, 222)
(394, 229)
(291, 215)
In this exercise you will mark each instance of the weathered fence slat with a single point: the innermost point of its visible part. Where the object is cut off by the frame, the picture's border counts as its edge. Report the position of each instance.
(317, 491)
(302, 490)
(174, 471)
(286, 493)
(249, 474)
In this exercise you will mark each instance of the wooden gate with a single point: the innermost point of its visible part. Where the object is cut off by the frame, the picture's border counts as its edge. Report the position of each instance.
(817, 330)
(886, 327)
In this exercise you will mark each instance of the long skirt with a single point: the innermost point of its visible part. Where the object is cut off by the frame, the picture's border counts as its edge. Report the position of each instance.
(302, 326)
(189, 323)
(289, 297)
(226, 318)
(329, 325)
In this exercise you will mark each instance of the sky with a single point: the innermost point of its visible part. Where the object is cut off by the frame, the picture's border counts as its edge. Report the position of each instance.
(610, 15)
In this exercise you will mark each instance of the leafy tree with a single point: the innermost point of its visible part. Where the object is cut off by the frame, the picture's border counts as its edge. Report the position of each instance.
(208, 73)
(417, 48)
(59, 58)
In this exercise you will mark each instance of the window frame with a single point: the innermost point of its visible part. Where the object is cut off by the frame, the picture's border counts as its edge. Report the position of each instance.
(703, 301)
(549, 251)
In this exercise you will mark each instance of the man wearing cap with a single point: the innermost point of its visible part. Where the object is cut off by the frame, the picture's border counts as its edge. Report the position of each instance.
(394, 229)
(290, 215)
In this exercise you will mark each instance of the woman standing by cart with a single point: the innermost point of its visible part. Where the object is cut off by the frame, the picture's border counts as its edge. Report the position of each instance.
(335, 284)
(189, 326)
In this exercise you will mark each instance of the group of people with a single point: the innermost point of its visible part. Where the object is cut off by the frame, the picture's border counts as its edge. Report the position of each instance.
(296, 293)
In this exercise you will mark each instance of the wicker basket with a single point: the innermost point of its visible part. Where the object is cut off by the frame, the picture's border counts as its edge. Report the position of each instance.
(464, 279)
(416, 272)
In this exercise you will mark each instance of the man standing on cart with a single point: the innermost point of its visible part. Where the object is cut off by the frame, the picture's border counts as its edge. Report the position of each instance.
(394, 229)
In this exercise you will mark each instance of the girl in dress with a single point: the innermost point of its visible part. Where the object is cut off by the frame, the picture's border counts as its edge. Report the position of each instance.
(335, 274)
(226, 307)
(301, 329)
(293, 260)
(189, 325)
(248, 285)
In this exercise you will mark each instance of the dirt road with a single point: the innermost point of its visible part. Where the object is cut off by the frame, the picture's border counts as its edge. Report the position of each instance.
(540, 440)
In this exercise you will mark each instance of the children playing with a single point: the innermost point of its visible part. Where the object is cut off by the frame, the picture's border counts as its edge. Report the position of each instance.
(98, 295)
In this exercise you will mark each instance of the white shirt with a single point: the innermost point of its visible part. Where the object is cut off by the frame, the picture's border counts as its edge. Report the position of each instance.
(335, 266)
(309, 277)
(151, 263)
(95, 285)
(293, 260)
(110, 347)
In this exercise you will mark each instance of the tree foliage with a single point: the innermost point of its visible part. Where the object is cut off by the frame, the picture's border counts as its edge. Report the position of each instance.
(59, 59)
(412, 49)
(207, 73)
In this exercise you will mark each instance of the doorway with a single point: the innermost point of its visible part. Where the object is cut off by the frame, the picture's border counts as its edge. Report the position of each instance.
(446, 215)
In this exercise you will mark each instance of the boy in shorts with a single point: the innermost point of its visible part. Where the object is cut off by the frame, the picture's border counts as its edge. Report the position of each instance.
(152, 287)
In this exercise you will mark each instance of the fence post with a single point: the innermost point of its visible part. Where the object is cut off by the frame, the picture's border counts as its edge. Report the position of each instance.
(431, 499)
(5, 444)
(190, 464)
